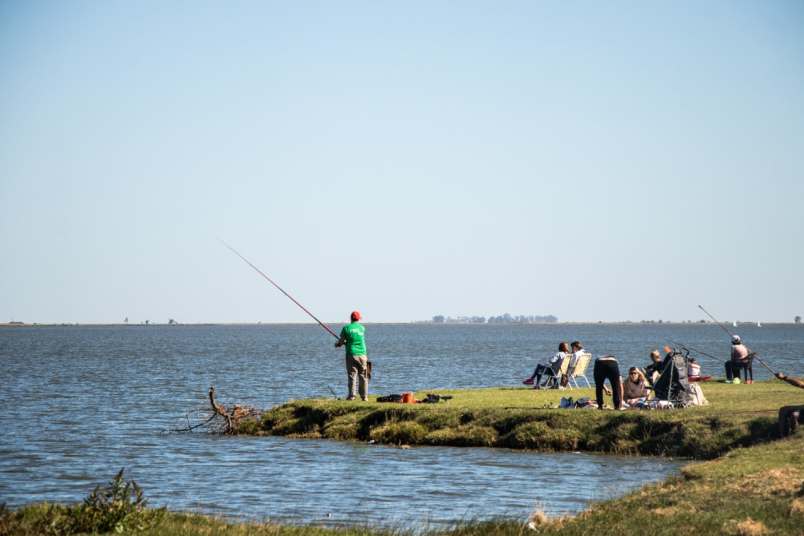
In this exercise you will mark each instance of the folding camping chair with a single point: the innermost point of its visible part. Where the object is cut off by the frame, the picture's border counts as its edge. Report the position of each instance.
(555, 378)
(579, 370)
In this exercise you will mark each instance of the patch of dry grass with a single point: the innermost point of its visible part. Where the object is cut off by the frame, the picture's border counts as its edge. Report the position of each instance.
(780, 481)
(746, 527)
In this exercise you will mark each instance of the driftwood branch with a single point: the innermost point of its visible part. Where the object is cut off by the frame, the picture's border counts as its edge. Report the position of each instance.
(234, 417)
(218, 419)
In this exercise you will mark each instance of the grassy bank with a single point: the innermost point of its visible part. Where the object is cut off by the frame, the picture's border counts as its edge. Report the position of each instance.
(754, 487)
(738, 416)
(748, 492)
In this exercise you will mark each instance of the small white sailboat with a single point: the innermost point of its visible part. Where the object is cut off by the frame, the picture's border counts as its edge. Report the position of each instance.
(759, 325)
(734, 323)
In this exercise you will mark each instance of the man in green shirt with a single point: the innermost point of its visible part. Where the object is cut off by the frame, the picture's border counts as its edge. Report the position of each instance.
(353, 335)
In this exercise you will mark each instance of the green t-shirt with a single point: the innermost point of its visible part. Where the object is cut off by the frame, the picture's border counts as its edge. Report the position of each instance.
(355, 335)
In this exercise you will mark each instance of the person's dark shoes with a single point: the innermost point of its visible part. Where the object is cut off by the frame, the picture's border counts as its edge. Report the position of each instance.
(529, 381)
(537, 386)
(364, 399)
(350, 398)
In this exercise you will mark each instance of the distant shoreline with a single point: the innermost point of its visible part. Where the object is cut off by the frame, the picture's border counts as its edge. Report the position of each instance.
(411, 323)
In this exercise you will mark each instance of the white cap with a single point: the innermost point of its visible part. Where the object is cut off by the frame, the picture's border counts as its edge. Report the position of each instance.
(735, 339)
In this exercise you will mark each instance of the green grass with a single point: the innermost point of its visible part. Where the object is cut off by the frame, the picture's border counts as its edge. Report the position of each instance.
(521, 418)
(758, 490)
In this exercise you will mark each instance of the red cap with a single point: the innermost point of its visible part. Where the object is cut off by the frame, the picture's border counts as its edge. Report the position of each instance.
(355, 316)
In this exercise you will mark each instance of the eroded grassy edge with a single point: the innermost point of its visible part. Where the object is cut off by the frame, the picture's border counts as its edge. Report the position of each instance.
(673, 433)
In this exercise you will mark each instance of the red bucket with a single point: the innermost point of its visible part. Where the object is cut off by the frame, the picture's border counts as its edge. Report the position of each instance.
(408, 398)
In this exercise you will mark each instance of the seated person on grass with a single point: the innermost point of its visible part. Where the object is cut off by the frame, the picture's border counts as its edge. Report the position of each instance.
(654, 370)
(549, 369)
(634, 387)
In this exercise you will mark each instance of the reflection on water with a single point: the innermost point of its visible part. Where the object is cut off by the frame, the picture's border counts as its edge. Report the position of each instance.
(82, 402)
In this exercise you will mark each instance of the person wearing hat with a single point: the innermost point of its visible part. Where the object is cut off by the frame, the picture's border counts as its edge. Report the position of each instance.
(353, 336)
(740, 358)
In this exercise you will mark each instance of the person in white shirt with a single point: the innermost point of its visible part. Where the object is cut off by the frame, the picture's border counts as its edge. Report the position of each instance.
(548, 369)
(577, 350)
(693, 369)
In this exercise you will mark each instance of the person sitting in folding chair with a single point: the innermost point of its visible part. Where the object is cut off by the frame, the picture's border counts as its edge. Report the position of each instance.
(578, 369)
(577, 366)
(577, 351)
(741, 359)
(548, 369)
(558, 377)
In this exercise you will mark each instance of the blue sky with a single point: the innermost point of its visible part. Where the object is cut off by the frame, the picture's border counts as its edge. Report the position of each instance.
(596, 161)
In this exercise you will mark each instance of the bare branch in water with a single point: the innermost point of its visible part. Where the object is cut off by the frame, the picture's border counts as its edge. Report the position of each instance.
(221, 420)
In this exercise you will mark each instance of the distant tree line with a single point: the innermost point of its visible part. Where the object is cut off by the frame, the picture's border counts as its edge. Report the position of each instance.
(501, 319)
(671, 322)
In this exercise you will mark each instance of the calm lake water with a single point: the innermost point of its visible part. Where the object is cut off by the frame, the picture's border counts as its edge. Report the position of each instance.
(81, 402)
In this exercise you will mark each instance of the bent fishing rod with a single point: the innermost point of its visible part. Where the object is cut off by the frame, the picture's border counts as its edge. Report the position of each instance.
(303, 308)
(724, 328)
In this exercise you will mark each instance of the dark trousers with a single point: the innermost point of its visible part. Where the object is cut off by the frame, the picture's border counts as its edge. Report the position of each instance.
(608, 370)
(540, 371)
(733, 369)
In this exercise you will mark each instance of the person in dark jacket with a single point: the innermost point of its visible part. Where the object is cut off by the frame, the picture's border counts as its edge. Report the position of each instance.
(654, 370)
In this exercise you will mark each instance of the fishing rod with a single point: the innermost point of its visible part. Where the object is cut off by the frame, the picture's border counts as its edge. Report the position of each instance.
(732, 334)
(687, 347)
(723, 327)
(303, 308)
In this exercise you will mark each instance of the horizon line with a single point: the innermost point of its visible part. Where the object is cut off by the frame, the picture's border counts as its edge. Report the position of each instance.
(416, 322)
